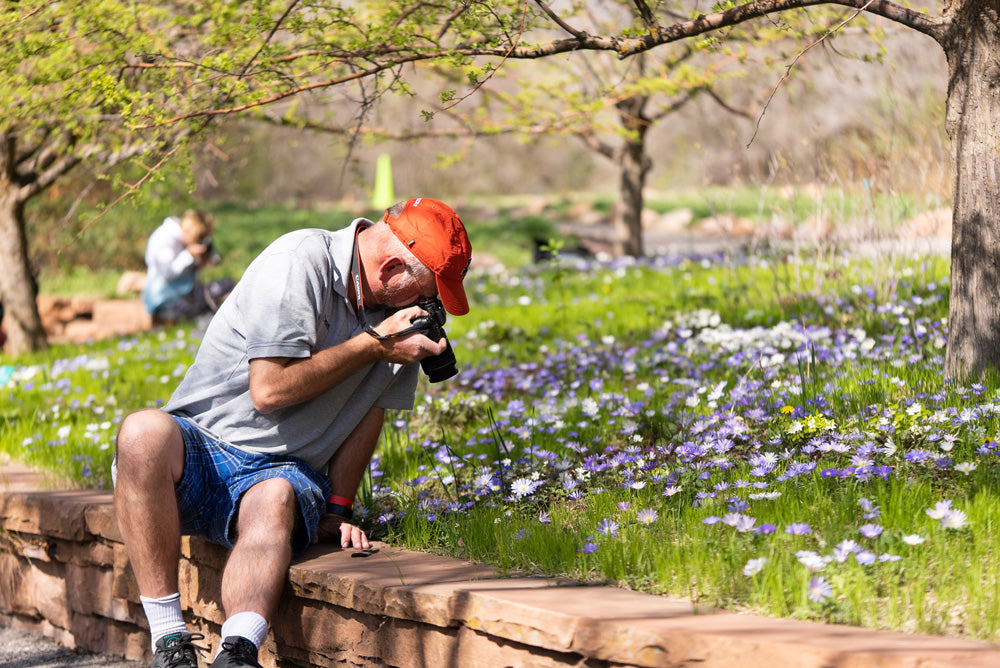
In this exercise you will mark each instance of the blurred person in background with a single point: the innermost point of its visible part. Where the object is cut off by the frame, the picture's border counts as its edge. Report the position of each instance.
(175, 253)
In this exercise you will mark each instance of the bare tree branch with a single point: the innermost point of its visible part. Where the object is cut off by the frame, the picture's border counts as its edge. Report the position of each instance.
(647, 15)
(788, 70)
(46, 178)
(555, 18)
(381, 60)
(595, 144)
(625, 47)
(131, 188)
(270, 36)
(725, 104)
(446, 25)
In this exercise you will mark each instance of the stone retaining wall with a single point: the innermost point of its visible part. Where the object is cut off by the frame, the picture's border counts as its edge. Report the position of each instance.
(63, 570)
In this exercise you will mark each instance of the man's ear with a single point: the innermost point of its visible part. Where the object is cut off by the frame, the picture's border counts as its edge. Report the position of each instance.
(390, 266)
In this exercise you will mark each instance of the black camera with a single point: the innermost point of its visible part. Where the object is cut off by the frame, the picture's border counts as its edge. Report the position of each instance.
(437, 367)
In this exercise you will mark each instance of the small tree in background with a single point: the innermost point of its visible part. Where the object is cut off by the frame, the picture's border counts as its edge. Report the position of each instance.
(74, 73)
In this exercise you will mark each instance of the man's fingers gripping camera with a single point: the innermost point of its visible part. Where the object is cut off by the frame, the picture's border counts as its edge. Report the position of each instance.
(442, 366)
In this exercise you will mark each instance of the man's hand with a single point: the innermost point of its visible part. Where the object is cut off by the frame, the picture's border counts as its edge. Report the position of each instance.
(334, 528)
(200, 253)
(410, 347)
(198, 250)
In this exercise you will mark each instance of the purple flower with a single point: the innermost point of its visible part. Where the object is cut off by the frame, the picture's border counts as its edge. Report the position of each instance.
(647, 516)
(819, 590)
(588, 548)
(939, 510)
(712, 519)
(870, 510)
(608, 527)
(798, 529)
(766, 529)
(844, 549)
(918, 456)
(865, 558)
(870, 530)
(738, 505)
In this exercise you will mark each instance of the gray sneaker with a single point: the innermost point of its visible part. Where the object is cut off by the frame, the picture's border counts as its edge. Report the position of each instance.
(177, 651)
(236, 651)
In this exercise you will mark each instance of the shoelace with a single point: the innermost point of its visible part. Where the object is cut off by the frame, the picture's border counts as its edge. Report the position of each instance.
(176, 652)
(241, 650)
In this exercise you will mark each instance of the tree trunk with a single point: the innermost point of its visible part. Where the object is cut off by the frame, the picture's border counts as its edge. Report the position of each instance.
(17, 286)
(973, 123)
(633, 166)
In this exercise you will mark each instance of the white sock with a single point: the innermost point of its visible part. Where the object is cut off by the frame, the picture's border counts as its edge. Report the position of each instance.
(164, 616)
(248, 625)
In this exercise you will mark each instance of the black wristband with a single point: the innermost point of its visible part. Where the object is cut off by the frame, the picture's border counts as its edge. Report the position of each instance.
(339, 509)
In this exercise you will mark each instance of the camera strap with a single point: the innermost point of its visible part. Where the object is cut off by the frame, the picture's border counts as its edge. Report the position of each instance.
(356, 277)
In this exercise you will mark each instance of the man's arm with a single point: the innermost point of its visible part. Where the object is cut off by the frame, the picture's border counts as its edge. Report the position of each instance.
(279, 382)
(346, 469)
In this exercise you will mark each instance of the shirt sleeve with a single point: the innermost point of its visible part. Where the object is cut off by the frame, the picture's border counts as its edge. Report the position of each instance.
(281, 300)
(400, 394)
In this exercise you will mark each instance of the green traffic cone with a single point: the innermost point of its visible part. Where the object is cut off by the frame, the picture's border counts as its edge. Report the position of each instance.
(383, 197)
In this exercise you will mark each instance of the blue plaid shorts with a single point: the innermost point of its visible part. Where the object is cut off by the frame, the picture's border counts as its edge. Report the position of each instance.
(216, 474)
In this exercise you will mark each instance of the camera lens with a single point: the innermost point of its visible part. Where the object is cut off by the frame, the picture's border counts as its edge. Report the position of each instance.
(440, 367)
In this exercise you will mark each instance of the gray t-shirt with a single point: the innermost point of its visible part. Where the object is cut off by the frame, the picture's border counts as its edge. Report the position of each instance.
(292, 301)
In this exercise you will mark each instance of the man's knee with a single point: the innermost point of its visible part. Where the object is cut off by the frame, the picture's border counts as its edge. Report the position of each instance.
(149, 440)
(270, 503)
(276, 493)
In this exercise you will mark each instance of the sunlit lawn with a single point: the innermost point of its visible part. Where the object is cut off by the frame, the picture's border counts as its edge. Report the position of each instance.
(769, 434)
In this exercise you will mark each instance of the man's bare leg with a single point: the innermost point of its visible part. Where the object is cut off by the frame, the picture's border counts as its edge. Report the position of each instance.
(255, 573)
(150, 462)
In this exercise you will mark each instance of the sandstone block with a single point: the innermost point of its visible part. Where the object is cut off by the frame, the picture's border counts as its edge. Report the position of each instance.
(120, 316)
(130, 283)
(89, 590)
(90, 553)
(100, 519)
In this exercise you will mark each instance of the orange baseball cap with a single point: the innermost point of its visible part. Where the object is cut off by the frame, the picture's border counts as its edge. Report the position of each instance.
(433, 232)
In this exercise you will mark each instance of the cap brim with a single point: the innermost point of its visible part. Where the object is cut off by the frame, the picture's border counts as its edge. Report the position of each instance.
(452, 294)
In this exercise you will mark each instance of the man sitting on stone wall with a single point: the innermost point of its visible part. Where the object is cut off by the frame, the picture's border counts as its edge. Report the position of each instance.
(263, 444)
